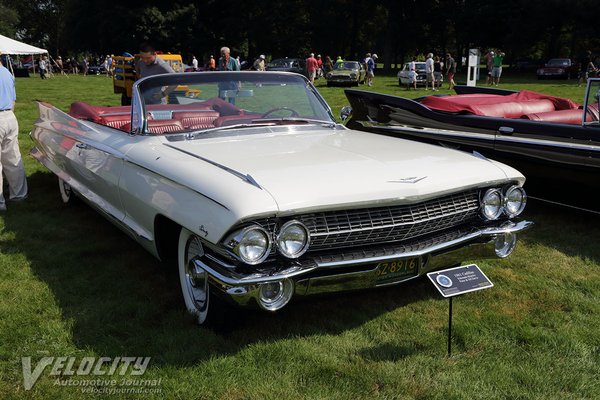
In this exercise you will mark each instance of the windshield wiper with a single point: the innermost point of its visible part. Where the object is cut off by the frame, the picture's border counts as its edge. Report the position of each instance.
(285, 120)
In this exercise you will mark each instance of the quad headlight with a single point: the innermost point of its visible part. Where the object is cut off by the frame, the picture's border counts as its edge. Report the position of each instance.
(491, 204)
(515, 200)
(251, 244)
(510, 201)
(293, 239)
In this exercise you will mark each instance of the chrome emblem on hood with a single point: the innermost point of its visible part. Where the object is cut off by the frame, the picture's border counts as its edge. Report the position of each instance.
(412, 179)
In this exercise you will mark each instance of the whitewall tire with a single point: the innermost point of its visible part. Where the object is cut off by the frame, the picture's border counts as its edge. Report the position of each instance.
(194, 281)
(66, 192)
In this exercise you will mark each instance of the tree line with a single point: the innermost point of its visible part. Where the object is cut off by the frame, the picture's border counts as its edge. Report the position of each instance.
(394, 29)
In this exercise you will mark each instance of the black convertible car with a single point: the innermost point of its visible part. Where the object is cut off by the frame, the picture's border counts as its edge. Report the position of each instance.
(553, 141)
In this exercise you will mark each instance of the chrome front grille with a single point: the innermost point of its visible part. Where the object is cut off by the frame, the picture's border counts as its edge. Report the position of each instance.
(348, 228)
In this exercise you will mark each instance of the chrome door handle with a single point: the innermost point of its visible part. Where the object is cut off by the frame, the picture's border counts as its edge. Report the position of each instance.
(506, 130)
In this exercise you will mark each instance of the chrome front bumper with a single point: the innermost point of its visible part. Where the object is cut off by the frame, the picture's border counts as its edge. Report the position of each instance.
(352, 271)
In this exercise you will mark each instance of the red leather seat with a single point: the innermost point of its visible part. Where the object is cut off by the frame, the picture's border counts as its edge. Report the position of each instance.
(514, 109)
(114, 121)
(158, 126)
(560, 116)
(193, 119)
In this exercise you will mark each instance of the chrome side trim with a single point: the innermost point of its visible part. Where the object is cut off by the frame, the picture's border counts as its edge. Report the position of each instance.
(488, 137)
(246, 178)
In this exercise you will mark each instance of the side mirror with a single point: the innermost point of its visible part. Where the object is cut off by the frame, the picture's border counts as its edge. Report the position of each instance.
(345, 113)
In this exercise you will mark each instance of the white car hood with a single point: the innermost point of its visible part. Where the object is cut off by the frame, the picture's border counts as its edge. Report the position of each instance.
(324, 167)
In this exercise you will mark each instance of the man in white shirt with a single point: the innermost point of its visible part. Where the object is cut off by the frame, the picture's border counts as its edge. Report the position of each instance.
(194, 63)
(429, 72)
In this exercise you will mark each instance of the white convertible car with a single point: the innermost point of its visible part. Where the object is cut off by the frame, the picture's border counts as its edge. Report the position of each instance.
(247, 180)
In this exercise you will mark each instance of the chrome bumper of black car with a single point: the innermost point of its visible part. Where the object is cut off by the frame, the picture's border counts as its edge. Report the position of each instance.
(358, 270)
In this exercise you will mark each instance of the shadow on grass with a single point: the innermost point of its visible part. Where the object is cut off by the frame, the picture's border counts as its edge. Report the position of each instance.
(571, 231)
(118, 300)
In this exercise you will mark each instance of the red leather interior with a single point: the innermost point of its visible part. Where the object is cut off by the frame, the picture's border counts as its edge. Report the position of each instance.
(159, 126)
(114, 121)
(81, 110)
(560, 116)
(513, 109)
(193, 119)
(492, 105)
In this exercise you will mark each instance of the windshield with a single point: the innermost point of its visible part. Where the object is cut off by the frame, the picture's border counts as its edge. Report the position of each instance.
(280, 63)
(558, 62)
(346, 65)
(190, 102)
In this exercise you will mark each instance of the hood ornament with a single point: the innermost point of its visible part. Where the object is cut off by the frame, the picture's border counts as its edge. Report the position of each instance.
(412, 179)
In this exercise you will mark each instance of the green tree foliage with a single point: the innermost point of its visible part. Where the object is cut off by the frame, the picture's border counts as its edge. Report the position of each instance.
(9, 19)
(395, 29)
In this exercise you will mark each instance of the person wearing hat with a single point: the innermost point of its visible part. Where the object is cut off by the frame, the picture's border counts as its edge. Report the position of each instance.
(11, 164)
(259, 64)
(370, 65)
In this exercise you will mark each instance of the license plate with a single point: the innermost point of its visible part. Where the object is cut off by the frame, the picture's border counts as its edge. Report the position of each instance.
(397, 270)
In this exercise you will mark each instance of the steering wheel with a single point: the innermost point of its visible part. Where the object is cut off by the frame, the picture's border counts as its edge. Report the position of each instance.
(293, 113)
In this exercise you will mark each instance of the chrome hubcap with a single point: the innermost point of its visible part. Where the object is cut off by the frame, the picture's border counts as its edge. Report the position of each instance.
(196, 278)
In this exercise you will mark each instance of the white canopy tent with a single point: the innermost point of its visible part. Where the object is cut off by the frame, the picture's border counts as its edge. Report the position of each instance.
(14, 47)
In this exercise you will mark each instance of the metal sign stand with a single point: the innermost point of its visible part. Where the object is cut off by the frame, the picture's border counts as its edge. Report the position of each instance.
(450, 327)
(455, 281)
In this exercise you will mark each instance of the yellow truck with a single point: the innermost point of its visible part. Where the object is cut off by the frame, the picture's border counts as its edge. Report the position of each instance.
(124, 75)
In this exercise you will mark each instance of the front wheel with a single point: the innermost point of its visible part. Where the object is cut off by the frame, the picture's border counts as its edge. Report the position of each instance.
(66, 192)
(194, 281)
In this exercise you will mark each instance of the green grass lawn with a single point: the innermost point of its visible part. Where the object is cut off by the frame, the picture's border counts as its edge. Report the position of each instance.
(71, 284)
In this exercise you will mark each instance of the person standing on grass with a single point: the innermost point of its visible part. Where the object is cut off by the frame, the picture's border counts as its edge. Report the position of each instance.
(311, 67)
(42, 65)
(370, 63)
(11, 164)
(259, 63)
(497, 70)
(327, 65)
(430, 78)
(586, 65)
(85, 66)
(450, 70)
(319, 66)
(438, 75)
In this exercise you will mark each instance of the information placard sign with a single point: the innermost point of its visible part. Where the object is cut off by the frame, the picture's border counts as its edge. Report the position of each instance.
(454, 281)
